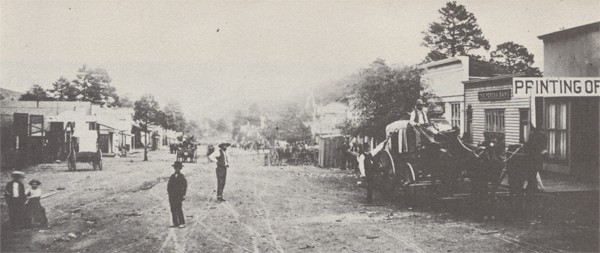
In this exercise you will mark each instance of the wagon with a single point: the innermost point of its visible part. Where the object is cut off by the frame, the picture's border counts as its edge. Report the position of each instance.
(83, 144)
(438, 164)
(188, 152)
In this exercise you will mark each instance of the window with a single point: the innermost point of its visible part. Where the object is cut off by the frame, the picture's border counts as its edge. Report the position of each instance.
(524, 125)
(494, 120)
(494, 126)
(556, 124)
(93, 125)
(455, 109)
(36, 125)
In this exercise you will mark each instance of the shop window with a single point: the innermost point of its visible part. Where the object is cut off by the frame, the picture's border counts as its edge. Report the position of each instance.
(494, 126)
(524, 126)
(494, 120)
(455, 116)
(556, 125)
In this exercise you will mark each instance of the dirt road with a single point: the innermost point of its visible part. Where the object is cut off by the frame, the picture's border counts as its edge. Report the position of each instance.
(124, 208)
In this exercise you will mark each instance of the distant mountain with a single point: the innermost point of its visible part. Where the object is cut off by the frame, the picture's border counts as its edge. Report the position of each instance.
(6, 94)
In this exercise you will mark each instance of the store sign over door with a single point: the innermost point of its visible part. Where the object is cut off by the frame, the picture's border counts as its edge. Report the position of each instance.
(556, 87)
(494, 95)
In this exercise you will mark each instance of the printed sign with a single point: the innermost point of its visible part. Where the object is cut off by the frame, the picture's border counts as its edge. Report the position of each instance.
(556, 87)
(494, 95)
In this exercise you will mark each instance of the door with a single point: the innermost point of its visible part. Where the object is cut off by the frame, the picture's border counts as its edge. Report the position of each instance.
(585, 136)
(103, 141)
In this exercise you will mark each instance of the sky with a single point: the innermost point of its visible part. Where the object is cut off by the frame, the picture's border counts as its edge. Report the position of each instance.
(215, 57)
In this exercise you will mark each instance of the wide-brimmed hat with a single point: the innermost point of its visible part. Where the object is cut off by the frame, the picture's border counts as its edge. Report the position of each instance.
(420, 102)
(177, 164)
(224, 145)
(35, 181)
(17, 173)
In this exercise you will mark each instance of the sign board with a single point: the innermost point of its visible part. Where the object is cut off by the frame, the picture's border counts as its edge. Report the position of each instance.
(495, 95)
(556, 87)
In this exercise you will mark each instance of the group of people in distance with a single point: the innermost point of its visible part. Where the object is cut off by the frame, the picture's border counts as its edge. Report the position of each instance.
(177, 185)
(24, 207)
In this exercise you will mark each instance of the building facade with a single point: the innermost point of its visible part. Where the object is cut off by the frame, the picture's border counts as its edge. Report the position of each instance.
(444, 78)
(571, 122)
(493, 113)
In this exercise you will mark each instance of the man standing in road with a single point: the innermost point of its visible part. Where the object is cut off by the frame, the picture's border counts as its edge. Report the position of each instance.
(222, 158)
(14, 194)
(177, 188)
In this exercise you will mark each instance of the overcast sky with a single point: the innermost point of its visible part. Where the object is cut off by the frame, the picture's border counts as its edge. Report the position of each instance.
(224, 55)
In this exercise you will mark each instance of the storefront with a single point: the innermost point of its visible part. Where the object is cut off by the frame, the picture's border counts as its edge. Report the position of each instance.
(568, 110)
(567, 99)
(493, 113)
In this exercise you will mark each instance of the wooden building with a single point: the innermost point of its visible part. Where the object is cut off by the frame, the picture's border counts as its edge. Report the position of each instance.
(329, 155)
(572, 120)
(492, 111)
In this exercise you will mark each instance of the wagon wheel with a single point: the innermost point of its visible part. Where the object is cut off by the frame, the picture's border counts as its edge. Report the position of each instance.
(385, 177)
(72, 161)
(406, 173)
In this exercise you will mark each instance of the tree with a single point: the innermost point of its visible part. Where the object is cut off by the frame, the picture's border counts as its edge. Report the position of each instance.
(36, 93)
(512, 58)
(173, 117)
(221, 126)
(123, 101)
(456, 33)
(146, 112)
(287, 126)
(95, 85)
(480, 66)
(381, 95)
(64, 90)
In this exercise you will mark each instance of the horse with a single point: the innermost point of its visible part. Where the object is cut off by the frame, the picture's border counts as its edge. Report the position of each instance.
(483, 165)
(523, 165)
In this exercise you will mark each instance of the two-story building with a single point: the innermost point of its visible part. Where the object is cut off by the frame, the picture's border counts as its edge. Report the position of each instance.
(444, 78)
(572, 121)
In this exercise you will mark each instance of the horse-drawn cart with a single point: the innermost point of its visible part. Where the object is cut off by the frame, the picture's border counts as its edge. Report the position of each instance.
(83, 144)
(187, 152)
(435, 163)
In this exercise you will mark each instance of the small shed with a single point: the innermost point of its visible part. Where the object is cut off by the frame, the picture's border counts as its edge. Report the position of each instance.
(329, 153)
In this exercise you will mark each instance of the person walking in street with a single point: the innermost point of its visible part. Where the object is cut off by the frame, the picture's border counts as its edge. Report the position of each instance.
(36, 213)
(222, 159)
(15, 197)
(177, 188)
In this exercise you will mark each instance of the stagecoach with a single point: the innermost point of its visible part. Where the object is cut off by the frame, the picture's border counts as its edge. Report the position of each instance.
(438, 164)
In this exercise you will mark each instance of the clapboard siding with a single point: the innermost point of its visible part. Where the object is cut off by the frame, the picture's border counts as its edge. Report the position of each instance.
(511, 109)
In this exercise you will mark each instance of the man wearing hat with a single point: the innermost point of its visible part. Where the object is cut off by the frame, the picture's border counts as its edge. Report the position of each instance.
(222, 158)
(15, 197)
(177, 188)
(418, 116)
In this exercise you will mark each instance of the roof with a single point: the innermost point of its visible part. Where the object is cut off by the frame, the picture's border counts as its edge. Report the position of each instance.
(444, 62)
(334, 108)
(495, 78)
(330, 136)
(566, 33)
(396, 125)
